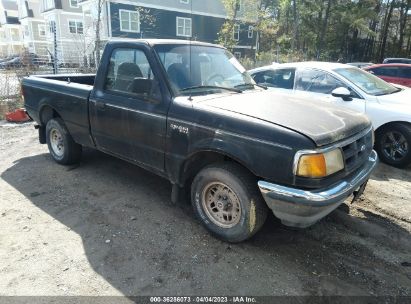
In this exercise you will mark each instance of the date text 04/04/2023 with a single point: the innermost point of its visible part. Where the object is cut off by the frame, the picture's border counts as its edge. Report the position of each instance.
(200, 299)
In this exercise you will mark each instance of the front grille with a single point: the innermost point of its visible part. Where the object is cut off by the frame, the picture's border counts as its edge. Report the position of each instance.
(357, 152)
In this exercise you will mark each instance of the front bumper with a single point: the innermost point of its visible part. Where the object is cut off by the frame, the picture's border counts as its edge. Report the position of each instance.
(302, 208)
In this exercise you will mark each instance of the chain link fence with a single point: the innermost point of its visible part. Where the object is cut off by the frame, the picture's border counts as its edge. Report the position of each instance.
(12, 73)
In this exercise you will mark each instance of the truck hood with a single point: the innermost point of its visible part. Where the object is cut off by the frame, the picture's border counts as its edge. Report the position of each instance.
(322, 122)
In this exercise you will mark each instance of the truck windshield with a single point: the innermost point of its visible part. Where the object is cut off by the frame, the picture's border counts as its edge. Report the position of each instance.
(203, 69)
(367, 82)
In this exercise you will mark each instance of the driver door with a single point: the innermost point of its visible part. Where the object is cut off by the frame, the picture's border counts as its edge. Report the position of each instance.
(128, 116)
(318, 85)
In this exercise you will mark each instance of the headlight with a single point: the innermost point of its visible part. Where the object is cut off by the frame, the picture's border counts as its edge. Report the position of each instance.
(319, 164)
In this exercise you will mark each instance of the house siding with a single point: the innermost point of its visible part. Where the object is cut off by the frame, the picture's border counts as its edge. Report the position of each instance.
(33, 41)
(204, 28)
(65, 5)
(11, 38)
(41, 49)
(72, 47)
(210, 7)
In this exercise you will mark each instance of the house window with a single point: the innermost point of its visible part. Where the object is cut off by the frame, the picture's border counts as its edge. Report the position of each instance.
(184, 27)
(26, 31)
(237, 55)
(236, 32)
(129, 21)
(42, 30)
(185, 1)
(76, 27)
(250, 31)
(73, 3)
(15, 36)
(48, 4)
(52, 26)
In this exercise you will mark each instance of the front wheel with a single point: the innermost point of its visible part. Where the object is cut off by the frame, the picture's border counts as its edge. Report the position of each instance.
(226, 200)
(61, 145)
(393, 144)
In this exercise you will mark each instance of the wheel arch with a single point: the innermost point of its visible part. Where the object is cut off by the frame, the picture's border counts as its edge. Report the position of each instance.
(387, 153)
(390, 123)
(46, 113)
(196, 161)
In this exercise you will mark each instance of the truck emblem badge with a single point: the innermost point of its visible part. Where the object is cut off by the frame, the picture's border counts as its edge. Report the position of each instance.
(181, 129)
(362, 148)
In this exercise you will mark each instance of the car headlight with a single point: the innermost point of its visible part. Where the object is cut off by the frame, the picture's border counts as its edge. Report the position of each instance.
(317, 165)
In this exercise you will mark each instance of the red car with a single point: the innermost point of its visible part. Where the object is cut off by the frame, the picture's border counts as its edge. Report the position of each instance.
(398, 73)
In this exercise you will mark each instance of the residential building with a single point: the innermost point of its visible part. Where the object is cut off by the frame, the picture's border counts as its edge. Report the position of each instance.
(65, 32)
(177, 19)
(33, 27)
(11, 42)
(90, 16)
(68, 28)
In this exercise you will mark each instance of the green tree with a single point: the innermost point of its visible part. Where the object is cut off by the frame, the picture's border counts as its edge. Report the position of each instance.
(226, 33)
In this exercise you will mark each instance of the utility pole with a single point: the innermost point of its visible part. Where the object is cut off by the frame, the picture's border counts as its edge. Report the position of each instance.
(97, 44)
(53, 24)
(257, 44)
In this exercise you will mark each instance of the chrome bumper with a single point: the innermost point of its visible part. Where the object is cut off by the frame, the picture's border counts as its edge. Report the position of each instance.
(301, 208)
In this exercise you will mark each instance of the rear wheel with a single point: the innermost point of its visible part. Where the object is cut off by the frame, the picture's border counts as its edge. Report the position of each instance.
(226, 200)
(61, 145)
(393, 144)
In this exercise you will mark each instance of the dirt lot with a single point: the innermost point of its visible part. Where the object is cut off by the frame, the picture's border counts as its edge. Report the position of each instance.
(106, 227)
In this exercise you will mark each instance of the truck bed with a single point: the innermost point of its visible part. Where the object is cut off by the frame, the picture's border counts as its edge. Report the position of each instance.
(66, 94)
(87, 79)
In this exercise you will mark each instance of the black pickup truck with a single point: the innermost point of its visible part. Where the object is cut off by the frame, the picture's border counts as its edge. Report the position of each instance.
(189, 112)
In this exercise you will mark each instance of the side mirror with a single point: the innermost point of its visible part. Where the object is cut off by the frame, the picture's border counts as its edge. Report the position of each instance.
(344, 93)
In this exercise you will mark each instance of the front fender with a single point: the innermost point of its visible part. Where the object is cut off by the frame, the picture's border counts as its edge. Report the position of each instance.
(224, 145)
(263, 158)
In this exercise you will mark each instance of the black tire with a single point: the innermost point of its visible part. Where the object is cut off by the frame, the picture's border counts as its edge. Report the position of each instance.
(240, 182)
(67, 152)
(402, 140)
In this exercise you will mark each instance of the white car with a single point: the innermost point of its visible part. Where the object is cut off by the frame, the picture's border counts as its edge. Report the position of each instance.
(388, 106)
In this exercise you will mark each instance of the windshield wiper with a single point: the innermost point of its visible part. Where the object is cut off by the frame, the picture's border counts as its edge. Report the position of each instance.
(250, 85)
(389, 93)
(261, 86)
(211, 87)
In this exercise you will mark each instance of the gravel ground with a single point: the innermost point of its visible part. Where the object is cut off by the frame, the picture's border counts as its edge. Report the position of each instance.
(106, 227)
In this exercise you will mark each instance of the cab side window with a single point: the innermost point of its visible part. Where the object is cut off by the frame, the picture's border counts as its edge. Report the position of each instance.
(317, 81)
(129, 72)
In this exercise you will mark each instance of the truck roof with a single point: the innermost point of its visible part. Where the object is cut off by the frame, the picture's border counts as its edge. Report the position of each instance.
(153, 42)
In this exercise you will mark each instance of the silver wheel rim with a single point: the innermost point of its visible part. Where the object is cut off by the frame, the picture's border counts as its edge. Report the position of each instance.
(394, 145)
(221, 205)
(56, 142)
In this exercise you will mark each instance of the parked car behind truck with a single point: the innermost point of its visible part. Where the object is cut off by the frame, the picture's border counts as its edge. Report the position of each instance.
(190, 113)
(22, 60)
(397, 73)
(386, 105)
